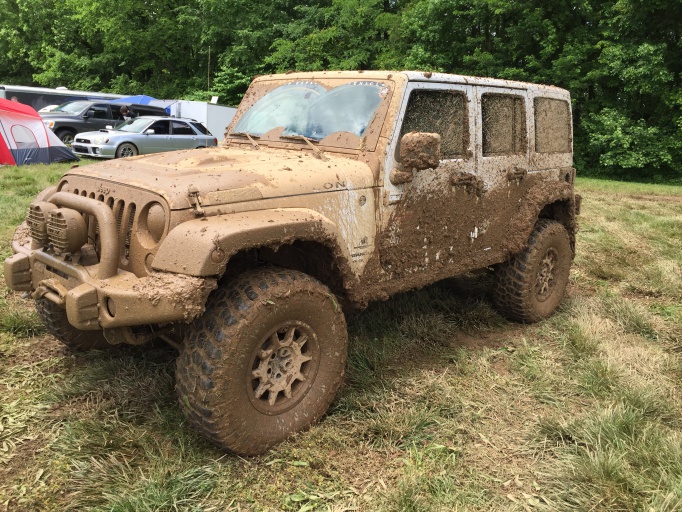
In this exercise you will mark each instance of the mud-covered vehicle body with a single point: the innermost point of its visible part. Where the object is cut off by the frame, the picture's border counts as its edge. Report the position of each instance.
(331, 190)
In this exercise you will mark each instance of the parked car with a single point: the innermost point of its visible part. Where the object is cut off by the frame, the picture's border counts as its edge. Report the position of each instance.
(142, 135)
(80, 116)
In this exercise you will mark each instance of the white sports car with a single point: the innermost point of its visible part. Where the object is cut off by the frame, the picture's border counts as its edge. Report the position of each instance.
(142, 135)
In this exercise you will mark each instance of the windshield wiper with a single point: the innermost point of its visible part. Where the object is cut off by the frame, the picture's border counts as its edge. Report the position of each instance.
(248, 136)
(319, 154)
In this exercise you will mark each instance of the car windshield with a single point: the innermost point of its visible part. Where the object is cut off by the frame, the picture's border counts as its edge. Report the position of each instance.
(308, 109)
(135, 125)
(72, 107)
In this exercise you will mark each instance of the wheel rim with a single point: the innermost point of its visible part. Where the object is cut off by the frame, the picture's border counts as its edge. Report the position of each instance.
(284, 367)
(127, 151)
(67, 139)
(546, 279)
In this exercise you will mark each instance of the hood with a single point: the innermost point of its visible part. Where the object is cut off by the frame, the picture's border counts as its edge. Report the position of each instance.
(231, 175)
(99, 133)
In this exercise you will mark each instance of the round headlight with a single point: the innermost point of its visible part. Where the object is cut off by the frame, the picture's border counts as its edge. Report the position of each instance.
(156, 221)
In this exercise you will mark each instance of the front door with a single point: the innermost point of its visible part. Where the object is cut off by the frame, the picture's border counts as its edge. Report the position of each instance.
(426, 221)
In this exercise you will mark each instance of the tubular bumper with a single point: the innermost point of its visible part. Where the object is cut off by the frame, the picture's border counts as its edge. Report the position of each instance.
(93, 302)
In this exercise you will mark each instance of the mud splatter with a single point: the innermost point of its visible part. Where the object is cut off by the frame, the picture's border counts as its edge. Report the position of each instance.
(187, 293)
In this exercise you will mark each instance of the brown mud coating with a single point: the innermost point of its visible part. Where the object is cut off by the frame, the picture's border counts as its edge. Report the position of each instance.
(418, 149)
(429, 235)
(185, 292)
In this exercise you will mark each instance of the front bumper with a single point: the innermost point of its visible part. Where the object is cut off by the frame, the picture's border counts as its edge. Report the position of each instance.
(93, 150)
(91, 303)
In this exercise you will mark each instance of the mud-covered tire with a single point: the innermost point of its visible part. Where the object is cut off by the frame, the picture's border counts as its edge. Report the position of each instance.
(57, 324)
(531, 285)
(237, 376)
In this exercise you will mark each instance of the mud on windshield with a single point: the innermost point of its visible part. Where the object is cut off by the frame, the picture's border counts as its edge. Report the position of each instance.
(331, 115)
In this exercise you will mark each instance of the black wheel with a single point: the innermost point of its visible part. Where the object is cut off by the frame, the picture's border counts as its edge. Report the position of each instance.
(264, 361)
(531, 285)
(66, 136)
(58, 325)
(125, 150)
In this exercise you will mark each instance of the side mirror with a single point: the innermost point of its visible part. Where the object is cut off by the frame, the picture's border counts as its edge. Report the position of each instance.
(420, 151)
(149, 132)
(109, 127)
(88, 114)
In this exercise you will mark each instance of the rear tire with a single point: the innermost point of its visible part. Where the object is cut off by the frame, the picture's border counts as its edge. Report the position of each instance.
(264, 361)
(125, 150)
(531, 285)
(57, 324)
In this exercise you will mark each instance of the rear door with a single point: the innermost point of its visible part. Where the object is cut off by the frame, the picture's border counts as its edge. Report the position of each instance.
(183, 136)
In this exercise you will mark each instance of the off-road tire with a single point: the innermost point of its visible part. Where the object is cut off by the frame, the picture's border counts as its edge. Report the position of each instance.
(125, 150)
(242, 342)
(531, 285)
(57, 324)
(66, 136)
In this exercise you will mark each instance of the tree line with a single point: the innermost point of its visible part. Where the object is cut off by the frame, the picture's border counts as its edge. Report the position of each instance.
(620, 59)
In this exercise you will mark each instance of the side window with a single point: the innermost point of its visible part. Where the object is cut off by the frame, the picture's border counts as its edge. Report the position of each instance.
(116, 113)
(100, 111)
(552, 126)
(504, 124)
(180, 128)
(24, 137)
(442, 112)
(160, 128)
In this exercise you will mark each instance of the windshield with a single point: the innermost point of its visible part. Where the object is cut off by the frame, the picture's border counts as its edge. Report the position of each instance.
(135, 125)
(72, 107)
(311, 110)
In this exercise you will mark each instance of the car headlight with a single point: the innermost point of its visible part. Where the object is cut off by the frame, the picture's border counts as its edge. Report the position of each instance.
(100, 140)
(49, 124)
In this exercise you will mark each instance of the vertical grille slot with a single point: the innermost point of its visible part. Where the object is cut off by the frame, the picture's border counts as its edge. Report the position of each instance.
(129, 232)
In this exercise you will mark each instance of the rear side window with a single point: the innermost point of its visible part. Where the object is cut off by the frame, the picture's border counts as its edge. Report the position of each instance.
(180, 128)
(552, 126)
(201, 129)
(504, 124)
(441, 112)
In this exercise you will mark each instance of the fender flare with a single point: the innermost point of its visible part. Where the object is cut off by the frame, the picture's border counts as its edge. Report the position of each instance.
(203, 247)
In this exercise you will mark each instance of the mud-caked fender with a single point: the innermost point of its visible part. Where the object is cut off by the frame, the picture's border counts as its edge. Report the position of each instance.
(203, 247)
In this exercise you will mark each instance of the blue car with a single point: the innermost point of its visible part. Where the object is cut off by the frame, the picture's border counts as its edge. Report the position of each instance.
(143, 135)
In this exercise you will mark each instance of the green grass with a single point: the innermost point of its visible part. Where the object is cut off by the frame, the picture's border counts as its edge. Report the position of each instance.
(445, 405)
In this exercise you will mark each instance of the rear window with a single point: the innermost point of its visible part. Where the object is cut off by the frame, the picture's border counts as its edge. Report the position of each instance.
(552, 126)
(202, 129)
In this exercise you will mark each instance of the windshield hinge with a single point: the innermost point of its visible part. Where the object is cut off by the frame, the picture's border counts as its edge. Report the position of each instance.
(195, 200)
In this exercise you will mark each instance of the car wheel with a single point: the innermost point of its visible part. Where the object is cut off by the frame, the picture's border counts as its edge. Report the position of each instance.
(57, 324)
(531, 285)
(66, 136)
(125, 150)
(264, 361)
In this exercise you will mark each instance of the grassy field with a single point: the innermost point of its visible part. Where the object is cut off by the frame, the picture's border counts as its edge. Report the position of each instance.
(446, 405)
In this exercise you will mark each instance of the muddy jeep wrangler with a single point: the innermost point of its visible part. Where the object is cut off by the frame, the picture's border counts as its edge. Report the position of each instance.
(330, 190)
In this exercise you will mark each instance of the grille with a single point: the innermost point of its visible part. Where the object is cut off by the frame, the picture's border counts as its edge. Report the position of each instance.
(125, 222)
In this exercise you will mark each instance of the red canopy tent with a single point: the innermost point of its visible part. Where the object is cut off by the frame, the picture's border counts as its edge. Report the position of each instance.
(24, 139)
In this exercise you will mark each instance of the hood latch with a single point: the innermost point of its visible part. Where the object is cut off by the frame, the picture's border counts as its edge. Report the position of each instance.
(195, 200)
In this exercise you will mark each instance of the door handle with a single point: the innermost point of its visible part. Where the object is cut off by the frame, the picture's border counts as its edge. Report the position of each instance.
(462, 179)
(517, 173)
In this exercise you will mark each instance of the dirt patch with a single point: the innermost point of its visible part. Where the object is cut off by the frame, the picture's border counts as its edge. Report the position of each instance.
(186, 292)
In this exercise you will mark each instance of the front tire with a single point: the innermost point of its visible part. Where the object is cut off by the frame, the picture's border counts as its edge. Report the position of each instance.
(57, 324)
(66, 136)
(531, 285)
(125, 150)
(264, 361)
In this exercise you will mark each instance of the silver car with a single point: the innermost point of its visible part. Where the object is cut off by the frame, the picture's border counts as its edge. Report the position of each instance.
(142, 135)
